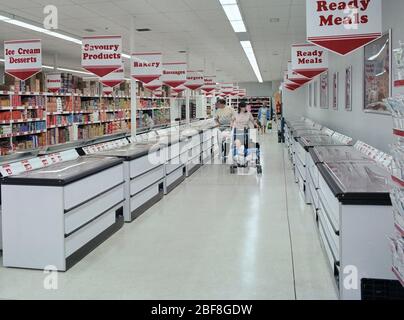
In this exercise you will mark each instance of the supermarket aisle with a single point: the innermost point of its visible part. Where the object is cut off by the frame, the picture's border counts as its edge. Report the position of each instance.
(215, 237)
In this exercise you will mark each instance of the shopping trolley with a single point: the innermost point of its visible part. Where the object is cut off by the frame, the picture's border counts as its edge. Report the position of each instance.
(245, 150)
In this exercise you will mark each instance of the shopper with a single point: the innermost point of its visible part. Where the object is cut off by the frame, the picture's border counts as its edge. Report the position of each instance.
(264, 115)
(244, 119)
(224, 114)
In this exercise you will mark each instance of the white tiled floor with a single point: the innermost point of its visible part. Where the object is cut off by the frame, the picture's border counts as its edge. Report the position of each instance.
(216, 236)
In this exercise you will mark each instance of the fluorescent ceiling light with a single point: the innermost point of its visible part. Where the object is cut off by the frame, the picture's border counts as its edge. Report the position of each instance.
(249, 51)
(233, 13)
(74, 71)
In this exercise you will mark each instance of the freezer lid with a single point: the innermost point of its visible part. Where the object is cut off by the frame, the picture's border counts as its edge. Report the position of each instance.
(308, 132)
(64, 173)
(132, 151)
(337, 154)
(317, 141)
(355, 183)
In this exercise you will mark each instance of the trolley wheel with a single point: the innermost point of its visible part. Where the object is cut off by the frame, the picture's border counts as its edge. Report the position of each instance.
(259, 170)
(233, 169)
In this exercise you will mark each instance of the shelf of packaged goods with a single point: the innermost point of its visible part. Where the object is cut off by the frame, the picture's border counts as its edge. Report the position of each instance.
(21, 108)
(21, 121)
(157, 108)
(59, 126)
(101, 122)
(399, 276)
(69, 112)
(21, 134)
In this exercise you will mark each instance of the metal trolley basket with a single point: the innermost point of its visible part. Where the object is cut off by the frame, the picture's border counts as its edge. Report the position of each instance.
(245, 150)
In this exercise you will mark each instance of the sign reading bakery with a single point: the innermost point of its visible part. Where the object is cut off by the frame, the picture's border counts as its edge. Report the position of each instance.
(53, 82)
(146, 67)
(174, 74)
(343, 26)
(309, 60)
(23, 58)
(195, 80)
(101, 55)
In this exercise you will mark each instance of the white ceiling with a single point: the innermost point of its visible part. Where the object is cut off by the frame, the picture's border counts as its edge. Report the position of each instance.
(199, 26)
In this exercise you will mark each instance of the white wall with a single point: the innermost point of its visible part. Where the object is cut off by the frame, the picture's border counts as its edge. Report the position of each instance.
(255, 89)
(294, 103)
(374, 129)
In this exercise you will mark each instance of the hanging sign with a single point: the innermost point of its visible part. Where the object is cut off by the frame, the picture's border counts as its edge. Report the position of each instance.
(242, 93)
(158, 93)
(102, 55)
(227, 88)
(53, 82)
(154, 85)
(23, 59)
(209, 84)
(180, 89)
(234, 93)
(195, 80)
(114, 78)
(107, 91)
(174, 74)
(146, 67)
(343, 26)
(295, 77)
(309, 60)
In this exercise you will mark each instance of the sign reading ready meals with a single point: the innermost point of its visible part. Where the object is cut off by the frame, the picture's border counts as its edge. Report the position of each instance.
(343, 26)
(309, 60)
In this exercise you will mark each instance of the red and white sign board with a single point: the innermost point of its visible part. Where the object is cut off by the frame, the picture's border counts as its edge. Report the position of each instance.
(296, 77)
(180, 89)
(146, 67)
(209, 84)
(154, 85)
(114, 78)
(343, 26)
(23, 58)
(174, 74)
(235, 91)
(106, 91)
(242, 93)
(309, 60)
(101, 55)
(195, 80)
(158, 93)
(227, 88)
(53, 82)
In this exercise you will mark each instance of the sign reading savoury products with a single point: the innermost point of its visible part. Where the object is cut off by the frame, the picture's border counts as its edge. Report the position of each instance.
(146, 67)
(174, 74)
(309, 60)
(154, 85)
(53, 82)
(102, 55)
(23, 58)
(209, 84)
(195, 80)
(343, 26)
(295, 77)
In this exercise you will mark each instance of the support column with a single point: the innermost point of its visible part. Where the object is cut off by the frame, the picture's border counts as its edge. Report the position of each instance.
(133, 83)
(188, 97)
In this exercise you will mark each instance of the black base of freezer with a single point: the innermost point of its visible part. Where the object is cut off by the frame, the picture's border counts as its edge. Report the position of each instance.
(194, 169)
(175, 184)
(373, 290)
(147, 205)
(96, 242)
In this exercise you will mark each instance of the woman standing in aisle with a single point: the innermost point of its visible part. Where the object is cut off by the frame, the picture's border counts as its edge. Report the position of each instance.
(264, 115)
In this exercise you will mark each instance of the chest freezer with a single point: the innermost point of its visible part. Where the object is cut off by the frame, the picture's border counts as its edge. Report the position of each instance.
(338, 154)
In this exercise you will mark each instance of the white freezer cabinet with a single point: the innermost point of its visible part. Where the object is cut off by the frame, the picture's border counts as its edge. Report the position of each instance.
(144, 175)
(354, 220)
(193, 145)
(56, 215)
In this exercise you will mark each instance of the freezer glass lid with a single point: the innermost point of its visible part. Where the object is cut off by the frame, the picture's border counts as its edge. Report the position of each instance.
(359, 177)
(340, 153)
(309, 132)
(131, 150)
(312, 141)
(69, 169)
